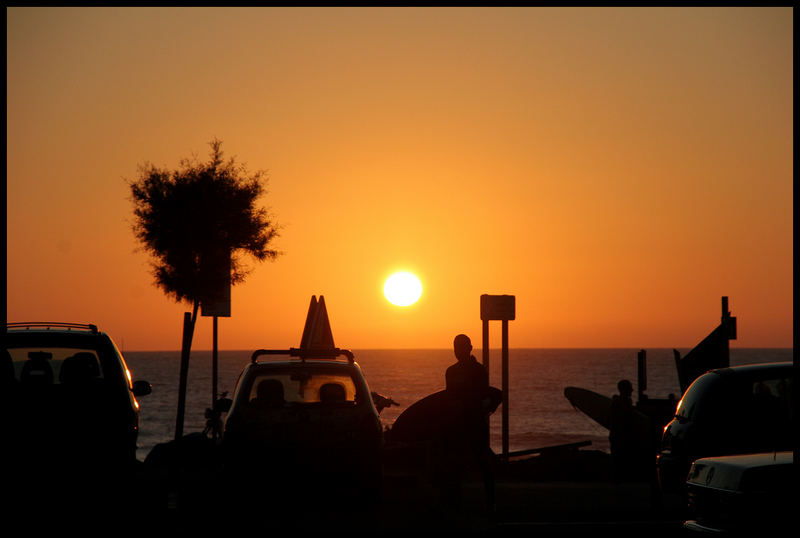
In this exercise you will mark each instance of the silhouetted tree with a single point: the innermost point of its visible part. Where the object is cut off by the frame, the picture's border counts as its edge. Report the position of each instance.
(192, 217)
(197, 222)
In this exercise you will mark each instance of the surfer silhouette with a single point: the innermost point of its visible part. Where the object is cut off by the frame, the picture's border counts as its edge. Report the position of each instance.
(622, 436)
(467, 436)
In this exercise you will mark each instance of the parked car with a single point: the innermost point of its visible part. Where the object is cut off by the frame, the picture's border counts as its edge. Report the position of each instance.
(69, 400)
(737, 410)
(743, 494)
(303, 426)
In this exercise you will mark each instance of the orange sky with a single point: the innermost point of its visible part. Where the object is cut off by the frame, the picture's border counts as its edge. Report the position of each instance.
(618, 170)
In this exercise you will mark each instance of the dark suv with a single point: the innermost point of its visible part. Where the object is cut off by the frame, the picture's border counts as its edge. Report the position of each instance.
(68, 400)
(304, 426)
(737, 410)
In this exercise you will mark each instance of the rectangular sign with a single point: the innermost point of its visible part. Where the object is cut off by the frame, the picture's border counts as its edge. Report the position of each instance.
(219, 306)
(500, 307)
(218, 303)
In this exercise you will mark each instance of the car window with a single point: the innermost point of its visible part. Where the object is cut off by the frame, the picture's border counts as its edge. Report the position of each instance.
(772, 398)
(305, 387)
(51, 365)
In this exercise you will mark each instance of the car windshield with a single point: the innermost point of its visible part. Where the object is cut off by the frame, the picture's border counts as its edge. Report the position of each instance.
(302, 386)
(54, 365)
(697, 391)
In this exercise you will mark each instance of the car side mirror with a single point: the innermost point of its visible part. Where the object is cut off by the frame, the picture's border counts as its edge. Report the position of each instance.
(141, 388)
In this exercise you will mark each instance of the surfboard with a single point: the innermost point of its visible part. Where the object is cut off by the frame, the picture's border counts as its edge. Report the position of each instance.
(423, 419)
(598, 408)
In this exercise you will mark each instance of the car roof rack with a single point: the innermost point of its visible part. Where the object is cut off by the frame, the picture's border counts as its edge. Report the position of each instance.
(303, 354)
(53, 325)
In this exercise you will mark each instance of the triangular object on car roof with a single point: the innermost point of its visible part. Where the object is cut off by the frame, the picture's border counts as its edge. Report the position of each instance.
(317, 334)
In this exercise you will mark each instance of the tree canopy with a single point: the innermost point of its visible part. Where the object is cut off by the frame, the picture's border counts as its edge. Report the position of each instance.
(191, 218)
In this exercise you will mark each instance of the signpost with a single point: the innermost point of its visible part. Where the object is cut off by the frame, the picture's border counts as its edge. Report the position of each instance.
(499, 307)
(218, 304)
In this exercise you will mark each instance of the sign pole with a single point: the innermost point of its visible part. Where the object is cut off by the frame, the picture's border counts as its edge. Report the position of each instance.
(505, 389)
(499, 307)
(485, 347)
(214, 362)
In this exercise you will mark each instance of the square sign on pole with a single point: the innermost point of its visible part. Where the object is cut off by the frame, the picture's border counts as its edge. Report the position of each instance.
(216, 304)
(499, 307)
(219, 306)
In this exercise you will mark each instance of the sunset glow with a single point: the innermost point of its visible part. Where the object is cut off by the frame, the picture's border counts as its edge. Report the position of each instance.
(402, 289)
(617, 170)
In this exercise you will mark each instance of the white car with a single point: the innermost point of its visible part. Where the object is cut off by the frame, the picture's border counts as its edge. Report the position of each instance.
(741, 493)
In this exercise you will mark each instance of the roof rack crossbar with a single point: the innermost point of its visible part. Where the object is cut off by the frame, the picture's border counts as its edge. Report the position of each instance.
(52, 325)
(304, 354)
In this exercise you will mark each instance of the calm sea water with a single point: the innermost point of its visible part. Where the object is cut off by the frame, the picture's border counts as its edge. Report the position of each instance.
(539, 415)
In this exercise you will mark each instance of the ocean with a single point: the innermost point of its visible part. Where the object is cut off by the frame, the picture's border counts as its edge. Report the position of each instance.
(538, 413)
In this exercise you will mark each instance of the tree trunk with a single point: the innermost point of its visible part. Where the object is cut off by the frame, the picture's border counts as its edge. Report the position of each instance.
(186, 348)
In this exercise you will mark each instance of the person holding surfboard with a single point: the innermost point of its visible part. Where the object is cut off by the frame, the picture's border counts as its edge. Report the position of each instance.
(467, 388)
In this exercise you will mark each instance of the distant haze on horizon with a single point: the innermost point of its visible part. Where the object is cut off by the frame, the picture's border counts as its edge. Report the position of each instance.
(617, 170)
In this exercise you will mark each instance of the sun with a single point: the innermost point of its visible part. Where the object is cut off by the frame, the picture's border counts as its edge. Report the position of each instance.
(402, 289)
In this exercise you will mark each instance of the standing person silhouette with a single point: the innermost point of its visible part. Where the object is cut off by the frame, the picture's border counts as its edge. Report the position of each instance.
(467, 386)
(622, 436)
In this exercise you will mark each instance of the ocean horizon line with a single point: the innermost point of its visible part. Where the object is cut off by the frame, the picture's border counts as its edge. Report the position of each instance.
(475, 349)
